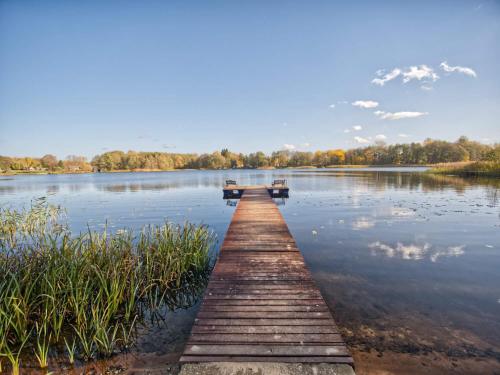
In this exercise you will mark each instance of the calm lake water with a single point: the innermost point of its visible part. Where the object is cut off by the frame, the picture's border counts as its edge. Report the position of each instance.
(408, 262)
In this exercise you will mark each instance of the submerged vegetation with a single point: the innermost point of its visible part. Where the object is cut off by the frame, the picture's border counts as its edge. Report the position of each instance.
(428, 152)
(475, 169)
(84, 295)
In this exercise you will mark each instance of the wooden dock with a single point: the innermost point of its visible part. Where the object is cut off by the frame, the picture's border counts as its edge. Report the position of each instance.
(261, 303)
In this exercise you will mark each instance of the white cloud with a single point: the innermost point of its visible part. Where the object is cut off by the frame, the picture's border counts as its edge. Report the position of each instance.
(306, 144)
(426, 87)
(380, 137)
(361, 140)
(402, 135)
(331, 106)
(365, 104)
(419, 72)
(398, 115)
(459, 69)
(387, 77)
(289, 147)
(355, 128)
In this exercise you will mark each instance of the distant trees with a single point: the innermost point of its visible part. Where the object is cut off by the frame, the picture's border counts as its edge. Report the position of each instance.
(493, 154)
(74, 163)
(48, 163)
(330, 157)
(428, 152)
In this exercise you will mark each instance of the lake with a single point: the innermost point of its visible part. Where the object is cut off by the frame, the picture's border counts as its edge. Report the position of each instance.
(408, 262)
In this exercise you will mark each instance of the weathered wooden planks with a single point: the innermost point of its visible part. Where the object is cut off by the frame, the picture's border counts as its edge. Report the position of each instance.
(261, 303)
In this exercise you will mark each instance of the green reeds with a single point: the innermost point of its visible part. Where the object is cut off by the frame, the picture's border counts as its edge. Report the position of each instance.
(84, 294)
(472, 169)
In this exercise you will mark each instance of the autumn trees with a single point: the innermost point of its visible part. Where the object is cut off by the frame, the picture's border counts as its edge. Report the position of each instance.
(47, 163)
(428, 152)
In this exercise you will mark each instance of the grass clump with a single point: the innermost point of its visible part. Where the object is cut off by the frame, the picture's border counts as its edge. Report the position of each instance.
(83, 295)
(477, 169)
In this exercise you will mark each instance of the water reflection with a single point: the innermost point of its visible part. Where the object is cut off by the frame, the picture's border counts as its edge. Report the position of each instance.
(372, 181)
(413, 251)
(231, 202)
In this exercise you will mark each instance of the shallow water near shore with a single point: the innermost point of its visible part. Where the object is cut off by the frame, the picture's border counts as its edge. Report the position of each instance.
(408, 262)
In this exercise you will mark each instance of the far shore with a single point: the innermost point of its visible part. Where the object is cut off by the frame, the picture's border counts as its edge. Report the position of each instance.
(349, 166)
(464, 169)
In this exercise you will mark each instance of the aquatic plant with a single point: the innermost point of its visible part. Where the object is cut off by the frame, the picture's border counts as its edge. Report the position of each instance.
(86, 292)
(478, 169)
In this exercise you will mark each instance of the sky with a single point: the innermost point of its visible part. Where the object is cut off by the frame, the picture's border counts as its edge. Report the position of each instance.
(85, 77)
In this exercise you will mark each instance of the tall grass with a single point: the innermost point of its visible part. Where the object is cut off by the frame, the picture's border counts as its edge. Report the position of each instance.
(477, 169)
(83, 294)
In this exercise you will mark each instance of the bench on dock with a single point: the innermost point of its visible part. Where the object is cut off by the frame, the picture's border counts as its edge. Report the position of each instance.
(230, 182)
(279, 183)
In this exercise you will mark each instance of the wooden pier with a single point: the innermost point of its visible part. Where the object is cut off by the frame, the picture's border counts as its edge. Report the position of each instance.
(261, 303)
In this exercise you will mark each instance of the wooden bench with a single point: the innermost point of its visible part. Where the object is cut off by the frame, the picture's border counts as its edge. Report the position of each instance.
(230, 182)
(279, 182)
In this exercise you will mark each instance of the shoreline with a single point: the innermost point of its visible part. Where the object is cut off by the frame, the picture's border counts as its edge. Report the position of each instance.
(349, 166)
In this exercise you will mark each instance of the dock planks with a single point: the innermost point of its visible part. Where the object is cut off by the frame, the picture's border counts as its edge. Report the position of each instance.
(261, 303)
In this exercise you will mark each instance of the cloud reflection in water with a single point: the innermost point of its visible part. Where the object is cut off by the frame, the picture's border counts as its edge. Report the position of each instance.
(415, 251)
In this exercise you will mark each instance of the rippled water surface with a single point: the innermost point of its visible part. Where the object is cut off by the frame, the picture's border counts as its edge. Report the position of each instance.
(408, 262)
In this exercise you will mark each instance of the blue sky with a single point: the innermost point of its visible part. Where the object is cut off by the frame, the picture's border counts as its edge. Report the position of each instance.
(84, 77)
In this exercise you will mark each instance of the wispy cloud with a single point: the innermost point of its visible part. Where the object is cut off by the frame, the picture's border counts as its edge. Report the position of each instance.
(398, 115)
(422, 73)
(459, 69)
(380, 137)
(365, 104)
(361, 140)
(419, 73)
(355, 128)
(403, 135)
(384, 78)
(289, 147)
(332, 106)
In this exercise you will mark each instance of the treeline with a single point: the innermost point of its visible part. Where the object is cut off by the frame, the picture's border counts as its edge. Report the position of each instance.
(428, 152)
(71, 164)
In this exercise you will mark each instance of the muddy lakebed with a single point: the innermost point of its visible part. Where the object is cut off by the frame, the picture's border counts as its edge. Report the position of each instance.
(408, 262)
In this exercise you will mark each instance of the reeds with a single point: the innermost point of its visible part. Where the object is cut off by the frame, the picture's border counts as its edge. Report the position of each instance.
(474, 169)
(83, 295)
